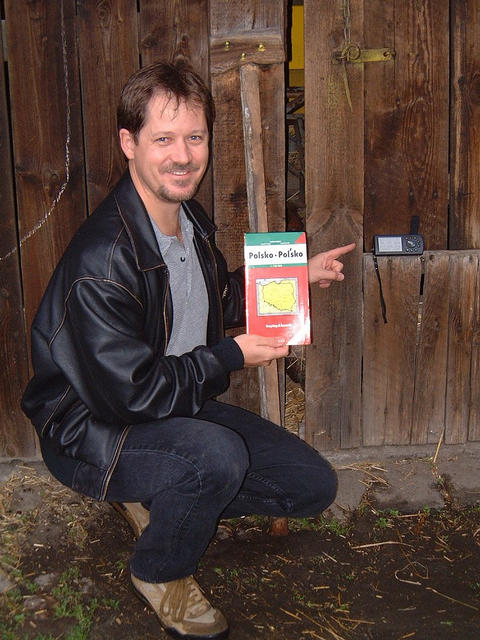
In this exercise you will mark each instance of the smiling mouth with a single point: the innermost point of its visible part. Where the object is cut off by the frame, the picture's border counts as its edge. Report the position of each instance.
(180, 171)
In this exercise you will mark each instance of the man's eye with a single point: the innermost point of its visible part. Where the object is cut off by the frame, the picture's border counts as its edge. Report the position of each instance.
(196, 138)
(162, 139)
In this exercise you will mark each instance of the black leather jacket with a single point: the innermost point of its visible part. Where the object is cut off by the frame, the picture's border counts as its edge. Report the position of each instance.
(99, 338)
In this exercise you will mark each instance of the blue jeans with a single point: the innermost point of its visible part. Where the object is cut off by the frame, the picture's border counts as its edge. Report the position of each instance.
(225, 462)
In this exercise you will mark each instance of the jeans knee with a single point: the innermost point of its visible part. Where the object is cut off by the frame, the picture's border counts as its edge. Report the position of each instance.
(331, 486)
(322, 488)
(226, 462)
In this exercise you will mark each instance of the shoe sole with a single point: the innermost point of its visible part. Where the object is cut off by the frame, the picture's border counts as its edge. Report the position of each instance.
(173, 632)
(118, 506)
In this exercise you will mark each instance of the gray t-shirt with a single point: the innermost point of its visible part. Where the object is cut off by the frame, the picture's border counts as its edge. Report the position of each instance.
(189, 293)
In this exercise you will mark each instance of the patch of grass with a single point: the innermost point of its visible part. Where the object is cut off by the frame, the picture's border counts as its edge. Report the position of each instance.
(121, 565)
(385, 519)
(70, 604)
(111, 603)
(11, 614)
(306, 524)
(337, 528)
(382, 523)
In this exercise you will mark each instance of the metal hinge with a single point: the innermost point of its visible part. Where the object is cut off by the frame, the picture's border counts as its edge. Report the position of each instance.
(353, 53)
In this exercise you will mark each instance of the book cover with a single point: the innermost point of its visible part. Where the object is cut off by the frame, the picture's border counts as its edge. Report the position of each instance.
(276, 283)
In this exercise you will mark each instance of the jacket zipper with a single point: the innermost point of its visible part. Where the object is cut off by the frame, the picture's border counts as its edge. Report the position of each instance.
(119, 446)
(113, 464)
(165, 314)
(219, 294)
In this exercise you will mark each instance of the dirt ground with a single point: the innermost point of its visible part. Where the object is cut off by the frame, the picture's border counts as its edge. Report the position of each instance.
(374, 576)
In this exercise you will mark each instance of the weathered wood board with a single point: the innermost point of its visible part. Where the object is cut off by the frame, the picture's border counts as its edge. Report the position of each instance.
(407, 120)
(334, 197)
(431, 351)
(464, 226)
(389, 349)
(16, 433)
(47, 136)
(108, 50)
(178, 28)
(463, 326)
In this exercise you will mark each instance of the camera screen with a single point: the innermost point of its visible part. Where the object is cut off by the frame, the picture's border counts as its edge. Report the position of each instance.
(389, 244)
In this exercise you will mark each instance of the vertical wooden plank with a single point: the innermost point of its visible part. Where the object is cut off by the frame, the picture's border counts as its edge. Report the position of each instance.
(334, 198)
(16, 432)
(108, 50)
(463, 291)
(230, 194)
(474, 406)
(431, 351)
(257, 210)
(230, 205)
(178, 28)
(47, 136)
(244, 19)
(464, 229)
(407, 120)
(389, 349)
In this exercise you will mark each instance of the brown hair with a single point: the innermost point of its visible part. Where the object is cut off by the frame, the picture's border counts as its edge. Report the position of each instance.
(176, 79)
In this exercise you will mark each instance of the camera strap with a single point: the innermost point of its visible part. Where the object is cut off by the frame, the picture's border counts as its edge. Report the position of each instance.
(380, 290)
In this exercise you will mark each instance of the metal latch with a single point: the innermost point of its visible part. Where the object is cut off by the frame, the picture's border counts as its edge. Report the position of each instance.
(353, 53)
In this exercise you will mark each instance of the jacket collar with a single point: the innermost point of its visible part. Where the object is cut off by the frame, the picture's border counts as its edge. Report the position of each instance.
(139, 227)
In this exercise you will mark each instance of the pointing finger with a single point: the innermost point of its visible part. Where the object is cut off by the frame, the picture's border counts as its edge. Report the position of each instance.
(341, 251)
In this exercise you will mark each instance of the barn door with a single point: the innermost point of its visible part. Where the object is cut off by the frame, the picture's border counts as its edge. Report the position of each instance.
(390, 100)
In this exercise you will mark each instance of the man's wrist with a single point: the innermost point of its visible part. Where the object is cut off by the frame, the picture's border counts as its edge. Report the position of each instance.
(229, 354)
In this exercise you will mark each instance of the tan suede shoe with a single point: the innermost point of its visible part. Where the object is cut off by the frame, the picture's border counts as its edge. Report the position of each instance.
(182, 609)
(135, 514)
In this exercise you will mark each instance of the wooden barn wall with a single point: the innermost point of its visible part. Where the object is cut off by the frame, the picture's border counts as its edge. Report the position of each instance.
(65, 65)
(406, 146)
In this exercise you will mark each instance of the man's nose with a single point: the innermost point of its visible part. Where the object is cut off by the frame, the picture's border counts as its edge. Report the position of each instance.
(181, 152)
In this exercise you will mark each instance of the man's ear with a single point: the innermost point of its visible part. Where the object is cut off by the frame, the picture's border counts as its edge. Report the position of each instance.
(127, 143)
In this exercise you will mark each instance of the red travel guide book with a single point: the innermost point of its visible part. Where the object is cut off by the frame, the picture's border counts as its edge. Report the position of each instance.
(276, 282)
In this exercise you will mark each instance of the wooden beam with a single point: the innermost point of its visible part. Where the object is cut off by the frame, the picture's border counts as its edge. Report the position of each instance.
(257, 210)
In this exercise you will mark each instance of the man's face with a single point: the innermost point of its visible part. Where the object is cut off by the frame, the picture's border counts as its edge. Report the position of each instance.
(171, 154)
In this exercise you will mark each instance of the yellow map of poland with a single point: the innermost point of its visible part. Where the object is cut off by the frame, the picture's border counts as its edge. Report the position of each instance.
(277, 296)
